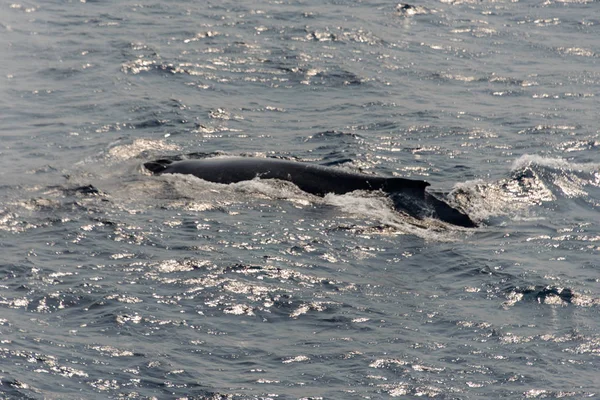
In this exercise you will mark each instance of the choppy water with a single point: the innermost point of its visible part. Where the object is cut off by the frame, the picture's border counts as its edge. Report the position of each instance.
(118, 284)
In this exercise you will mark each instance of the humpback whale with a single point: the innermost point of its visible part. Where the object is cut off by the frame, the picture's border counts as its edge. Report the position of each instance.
(408, 195)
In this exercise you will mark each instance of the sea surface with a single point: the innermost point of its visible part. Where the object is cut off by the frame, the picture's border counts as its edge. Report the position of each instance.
(116, 284)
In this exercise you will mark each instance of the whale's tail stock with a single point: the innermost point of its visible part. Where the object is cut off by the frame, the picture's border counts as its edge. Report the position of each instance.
(410, 196)
(427, 205)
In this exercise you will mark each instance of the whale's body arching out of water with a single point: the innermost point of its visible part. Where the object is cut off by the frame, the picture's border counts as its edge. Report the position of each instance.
(408, 195)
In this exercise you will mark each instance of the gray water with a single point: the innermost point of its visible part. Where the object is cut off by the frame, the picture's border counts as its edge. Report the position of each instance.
(118, 284)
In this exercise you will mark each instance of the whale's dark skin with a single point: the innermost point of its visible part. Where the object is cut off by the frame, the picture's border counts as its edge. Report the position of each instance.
(408, 195)
(311, 178)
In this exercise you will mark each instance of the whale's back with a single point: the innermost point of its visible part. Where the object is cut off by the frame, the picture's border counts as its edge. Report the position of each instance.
(312, 178)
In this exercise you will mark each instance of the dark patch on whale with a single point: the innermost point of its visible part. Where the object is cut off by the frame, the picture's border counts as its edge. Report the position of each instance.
(408, 195)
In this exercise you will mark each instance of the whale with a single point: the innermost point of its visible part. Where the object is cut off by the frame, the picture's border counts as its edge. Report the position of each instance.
(408, 195)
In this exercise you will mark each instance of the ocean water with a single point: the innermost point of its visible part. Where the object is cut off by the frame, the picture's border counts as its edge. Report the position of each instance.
(118, 284)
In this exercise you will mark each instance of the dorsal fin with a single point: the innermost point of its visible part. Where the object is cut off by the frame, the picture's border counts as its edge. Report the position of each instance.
(392, 185)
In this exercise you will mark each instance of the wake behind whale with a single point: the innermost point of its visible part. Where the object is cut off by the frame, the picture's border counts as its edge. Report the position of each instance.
(408, 195)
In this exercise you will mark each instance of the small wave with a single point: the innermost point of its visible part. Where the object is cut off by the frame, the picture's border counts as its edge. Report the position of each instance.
(563, 178)
(50, 206)
(409, 10)
(333, 136)
(138, 148)
(535, 181)
(343, 35)
(528, 160)
(140, 65)
(550, 295)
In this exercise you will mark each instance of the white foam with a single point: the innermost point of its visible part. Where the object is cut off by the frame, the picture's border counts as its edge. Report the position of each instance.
(482, 200)
(138, 146)
(555, 163)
